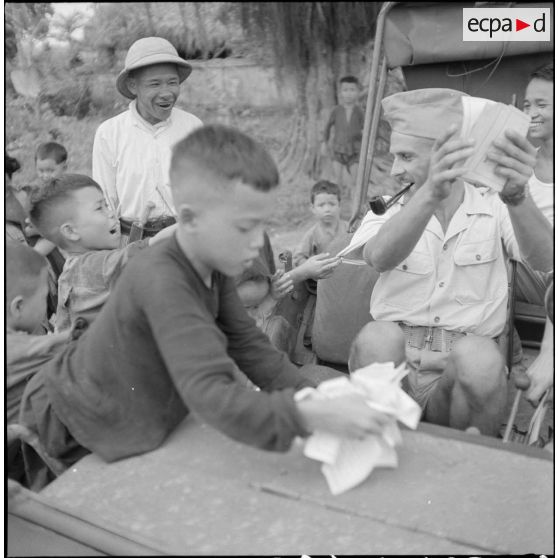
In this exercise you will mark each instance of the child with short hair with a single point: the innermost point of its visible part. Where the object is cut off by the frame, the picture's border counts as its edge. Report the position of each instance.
(311, 259)
(71, 212)
(261, 285)
(51, 161)
(17, 202)
(167, 342)
(14, 211)
(347, 121)
(26, 296)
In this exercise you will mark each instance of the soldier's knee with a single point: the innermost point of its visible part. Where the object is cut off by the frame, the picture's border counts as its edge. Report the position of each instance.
(478, 365)
(377, 341)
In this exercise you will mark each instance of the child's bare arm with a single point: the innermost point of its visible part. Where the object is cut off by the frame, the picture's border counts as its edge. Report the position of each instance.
(315, 267)
(161, 235)
(44, 246)
(347, 416)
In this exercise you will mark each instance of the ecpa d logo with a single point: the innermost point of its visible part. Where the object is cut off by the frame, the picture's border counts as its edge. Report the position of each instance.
(506, 24)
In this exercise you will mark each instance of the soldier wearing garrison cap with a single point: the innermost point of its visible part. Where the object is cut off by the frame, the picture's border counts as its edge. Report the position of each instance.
(131, 152)
(442, 255)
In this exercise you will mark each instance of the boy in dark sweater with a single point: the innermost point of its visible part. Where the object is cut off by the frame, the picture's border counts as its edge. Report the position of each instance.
(166, 342)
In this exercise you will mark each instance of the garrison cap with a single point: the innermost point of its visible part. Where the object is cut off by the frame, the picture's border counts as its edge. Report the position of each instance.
(424, 113)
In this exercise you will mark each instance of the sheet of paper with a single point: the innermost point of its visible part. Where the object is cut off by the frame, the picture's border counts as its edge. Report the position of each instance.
(392, 435)
(323, 446)
(356, 460)
(348, 462)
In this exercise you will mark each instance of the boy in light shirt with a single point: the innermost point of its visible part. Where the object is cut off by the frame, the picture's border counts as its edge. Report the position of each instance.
(72, 213)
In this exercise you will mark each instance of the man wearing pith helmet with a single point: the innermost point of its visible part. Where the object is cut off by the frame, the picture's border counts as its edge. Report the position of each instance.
(131, 151)
(440, 301)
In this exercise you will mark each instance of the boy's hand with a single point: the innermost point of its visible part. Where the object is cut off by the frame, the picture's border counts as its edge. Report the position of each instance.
(515, 158)
(44, 246)
(347, 416)
(281, 284)
(317, 267)
(30, 229)
(449, 151)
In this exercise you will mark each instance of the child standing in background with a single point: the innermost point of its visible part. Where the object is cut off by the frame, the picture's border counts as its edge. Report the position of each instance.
(310, 259)
(347, 121)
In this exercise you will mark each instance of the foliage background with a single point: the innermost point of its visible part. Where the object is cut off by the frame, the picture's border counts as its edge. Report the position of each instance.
(65, 67)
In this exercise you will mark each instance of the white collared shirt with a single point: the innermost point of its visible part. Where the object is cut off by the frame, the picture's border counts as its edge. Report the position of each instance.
(457, 280)
(131, 160)
(543, 196)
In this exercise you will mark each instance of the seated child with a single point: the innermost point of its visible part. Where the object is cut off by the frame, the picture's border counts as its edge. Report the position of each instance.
(166, 342)
(261, 285)
(17, 207)
(26, 295)
(347, 121)
(14, 211)
(310, 259)
(72, 213)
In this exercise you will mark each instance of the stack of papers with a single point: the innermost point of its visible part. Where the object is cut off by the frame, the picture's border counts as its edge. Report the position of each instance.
(490, 124)
(348, 462)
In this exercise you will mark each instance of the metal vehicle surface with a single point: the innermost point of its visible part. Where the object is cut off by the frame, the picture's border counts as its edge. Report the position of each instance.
(202, 493)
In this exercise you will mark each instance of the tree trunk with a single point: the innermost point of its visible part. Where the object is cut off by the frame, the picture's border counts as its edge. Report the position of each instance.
(295, 141)
(202, 32)
(149, 14)
(315, 98)
(183, 17)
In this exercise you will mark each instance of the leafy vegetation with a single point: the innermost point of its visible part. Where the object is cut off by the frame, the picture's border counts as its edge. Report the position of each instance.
(64, 92)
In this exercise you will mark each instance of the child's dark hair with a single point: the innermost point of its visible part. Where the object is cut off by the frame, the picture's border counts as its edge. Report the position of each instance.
(228, 153)
(325, 187)
(349, 79)
(545, 72)
(51, 150)
(45, 203)
(11, 165)
(23, 267)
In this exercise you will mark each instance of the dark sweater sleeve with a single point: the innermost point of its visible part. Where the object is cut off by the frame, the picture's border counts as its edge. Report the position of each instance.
(251, 349)
(194, 349)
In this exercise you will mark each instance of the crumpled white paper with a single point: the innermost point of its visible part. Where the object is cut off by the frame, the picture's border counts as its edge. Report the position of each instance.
(348, 462)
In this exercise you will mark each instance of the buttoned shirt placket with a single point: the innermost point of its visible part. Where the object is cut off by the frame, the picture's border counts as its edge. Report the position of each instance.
(157, 192)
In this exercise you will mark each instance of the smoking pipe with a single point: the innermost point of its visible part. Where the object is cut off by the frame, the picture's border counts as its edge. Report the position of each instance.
(379, 206)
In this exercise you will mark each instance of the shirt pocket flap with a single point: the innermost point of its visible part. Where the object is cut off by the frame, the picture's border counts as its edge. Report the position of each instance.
(417, 263)
(474, 253)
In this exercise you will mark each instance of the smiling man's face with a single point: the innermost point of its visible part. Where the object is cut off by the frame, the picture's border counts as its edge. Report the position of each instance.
(539, 105)
(156, 89)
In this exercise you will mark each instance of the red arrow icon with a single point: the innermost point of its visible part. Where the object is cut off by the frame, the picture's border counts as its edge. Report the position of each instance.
(519, 25)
